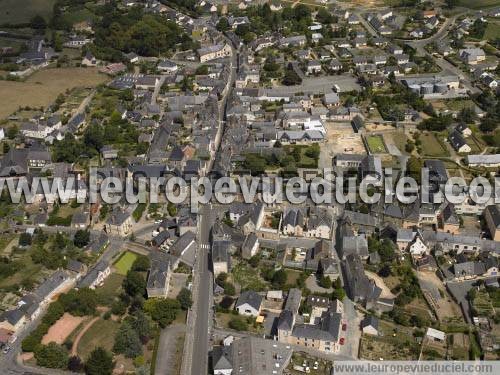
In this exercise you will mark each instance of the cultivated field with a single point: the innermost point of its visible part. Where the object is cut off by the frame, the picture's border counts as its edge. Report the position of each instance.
(15, 11)
(124, 264)
(62, 329)
(42, 87)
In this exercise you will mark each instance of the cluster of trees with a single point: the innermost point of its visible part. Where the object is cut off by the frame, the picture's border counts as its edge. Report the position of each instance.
(384, 248)
(438, 123)
(132, 30)
(76, 302)
(478, 29)
(134, 331)
(113, 130)
(228, 287)
(291, 77)
(277, 278)
(54, 251)
(408, 288)
(289, 160)
(390, 106)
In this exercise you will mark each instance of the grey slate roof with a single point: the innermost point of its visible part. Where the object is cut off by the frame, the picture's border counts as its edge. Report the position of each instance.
(252, 298)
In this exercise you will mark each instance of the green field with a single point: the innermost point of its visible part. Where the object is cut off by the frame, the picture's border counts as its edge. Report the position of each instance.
(124, 263)
(431, 146)
(476, 4)
(15, 11)
(376, 144)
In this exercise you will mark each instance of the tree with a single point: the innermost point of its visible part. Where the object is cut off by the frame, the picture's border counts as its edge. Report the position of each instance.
(226, 302)
(82, 238)
(127, 341)
(223, 24)
(338, 293)
(38, 22)
(451, 3)
(467, 115)
(12, 132)
(134, 283)
(142, 325)
(238, 324)
(184, 298)
(164, 311)
(100, 362)
(279, 279)
(75, 364)
(385, 271)
(141, 264)
(52, 356)
(291, 78)
(79, 302)
(119, 307)
(325, 282)
(386, 251)
(324, 16)
(25, 239)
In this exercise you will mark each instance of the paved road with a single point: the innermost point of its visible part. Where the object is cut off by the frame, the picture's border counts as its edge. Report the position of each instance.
(203, 301)
(167, 349)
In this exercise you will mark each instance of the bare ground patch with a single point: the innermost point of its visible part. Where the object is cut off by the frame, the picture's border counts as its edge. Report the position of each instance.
(61, 329)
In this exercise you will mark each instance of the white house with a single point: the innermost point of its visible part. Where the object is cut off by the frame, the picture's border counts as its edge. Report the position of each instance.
(249, 303)
(418, 247)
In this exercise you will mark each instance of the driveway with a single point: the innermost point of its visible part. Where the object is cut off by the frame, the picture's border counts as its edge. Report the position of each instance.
(167, 350)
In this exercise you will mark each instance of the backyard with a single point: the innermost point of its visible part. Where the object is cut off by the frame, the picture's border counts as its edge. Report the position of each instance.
(248, 278)
(397, 343)
(431, 146)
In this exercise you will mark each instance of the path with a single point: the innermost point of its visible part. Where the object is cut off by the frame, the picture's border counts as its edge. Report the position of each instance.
(74, 348)
(167, 349)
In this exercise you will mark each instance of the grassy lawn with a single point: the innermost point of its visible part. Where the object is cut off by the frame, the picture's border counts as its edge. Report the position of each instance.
(14, 11)
(376, 144)
(431, 146)
(42, 87)
(101, 333)
(124, 263)
(248, 278)
(111, 288)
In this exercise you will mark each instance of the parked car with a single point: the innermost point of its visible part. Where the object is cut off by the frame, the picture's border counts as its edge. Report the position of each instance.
(341, 341)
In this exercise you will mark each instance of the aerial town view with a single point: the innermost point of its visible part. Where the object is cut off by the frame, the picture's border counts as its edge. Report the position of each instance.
(249, 187)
